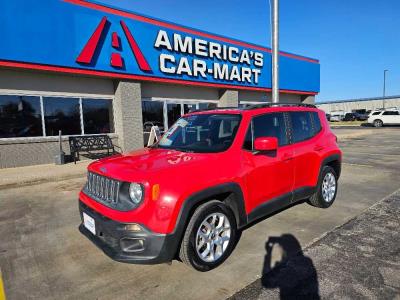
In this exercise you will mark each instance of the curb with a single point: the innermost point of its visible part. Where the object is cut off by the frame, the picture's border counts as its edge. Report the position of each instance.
(39, 181)
(2, 292)
(307, 246)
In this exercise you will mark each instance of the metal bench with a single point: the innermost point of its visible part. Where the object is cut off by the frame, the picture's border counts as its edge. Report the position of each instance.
(89, 144)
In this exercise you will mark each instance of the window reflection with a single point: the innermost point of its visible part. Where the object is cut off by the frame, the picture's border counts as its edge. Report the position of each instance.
(187, 108)
(97, 116)
(152, 112)
(174, 112)
(271, 125)
(210, 105)
(20, 116)
(61, 114)
(152, 115)
(301, 124)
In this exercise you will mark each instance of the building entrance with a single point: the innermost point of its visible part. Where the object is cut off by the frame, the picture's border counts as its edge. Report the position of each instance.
(164, 112)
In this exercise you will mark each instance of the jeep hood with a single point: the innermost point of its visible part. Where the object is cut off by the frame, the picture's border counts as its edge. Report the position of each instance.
(148, 162)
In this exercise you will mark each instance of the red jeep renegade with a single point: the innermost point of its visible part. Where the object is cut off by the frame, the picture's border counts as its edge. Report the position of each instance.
(212, 173)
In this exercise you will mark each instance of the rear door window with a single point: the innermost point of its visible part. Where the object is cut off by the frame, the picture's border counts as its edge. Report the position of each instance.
(391, 113)
(302, 128)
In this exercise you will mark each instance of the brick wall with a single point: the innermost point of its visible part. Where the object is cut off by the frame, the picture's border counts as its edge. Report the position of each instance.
(34, 151)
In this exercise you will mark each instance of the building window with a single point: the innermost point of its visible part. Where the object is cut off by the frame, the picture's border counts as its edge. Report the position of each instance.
(20, 116)
(187, 108)
(207, 105)
(153, 115)
(174, 113)
(62, 114)
(97, 116)
(36, 116)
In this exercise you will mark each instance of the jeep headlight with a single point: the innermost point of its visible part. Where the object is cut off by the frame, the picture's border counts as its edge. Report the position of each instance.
(135, 192)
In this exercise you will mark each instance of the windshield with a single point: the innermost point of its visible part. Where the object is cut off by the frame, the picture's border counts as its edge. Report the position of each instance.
(201, 133)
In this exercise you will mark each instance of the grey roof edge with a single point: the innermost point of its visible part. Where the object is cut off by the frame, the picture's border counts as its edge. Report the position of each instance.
(358, 99)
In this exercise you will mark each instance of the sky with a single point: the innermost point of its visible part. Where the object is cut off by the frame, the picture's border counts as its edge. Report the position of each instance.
(355, 40)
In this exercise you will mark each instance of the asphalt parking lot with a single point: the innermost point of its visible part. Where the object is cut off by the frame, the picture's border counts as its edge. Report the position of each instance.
(43, 256)
(358, 260)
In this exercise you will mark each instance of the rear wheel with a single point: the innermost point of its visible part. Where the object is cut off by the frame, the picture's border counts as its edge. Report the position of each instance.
(378, 123)
(326, 189)
(210, 236)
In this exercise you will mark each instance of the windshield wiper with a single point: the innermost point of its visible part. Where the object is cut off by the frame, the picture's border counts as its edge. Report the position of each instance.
(183, 150)
(172, 148)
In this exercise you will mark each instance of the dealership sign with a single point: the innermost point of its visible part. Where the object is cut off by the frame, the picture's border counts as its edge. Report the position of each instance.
(88, 38)
(246, 65)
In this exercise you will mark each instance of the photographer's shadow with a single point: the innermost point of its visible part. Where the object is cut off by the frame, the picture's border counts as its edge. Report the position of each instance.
(286, 268)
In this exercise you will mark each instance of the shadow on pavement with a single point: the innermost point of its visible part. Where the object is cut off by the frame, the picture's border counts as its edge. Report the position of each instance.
(286, 268)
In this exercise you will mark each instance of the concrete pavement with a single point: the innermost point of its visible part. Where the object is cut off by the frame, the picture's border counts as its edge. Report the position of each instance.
(43, 256)
(17, 177)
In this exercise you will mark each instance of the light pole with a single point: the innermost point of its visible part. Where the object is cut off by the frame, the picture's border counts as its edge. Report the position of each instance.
(275, 51)
(384, 88)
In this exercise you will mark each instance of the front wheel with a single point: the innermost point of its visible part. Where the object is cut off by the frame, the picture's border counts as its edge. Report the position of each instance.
(326, 189)
(210, 236)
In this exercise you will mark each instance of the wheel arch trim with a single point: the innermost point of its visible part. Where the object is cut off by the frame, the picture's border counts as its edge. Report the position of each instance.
(200, 197)
(332, 158)
(234, 200)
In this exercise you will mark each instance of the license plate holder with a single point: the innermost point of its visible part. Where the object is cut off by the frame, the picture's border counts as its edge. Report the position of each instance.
(89, 223)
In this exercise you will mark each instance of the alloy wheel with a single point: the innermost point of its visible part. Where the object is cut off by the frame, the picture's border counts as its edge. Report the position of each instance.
(213, 237)
(329, 187)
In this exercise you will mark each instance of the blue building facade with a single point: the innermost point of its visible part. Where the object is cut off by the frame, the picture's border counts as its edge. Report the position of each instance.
(85, 68)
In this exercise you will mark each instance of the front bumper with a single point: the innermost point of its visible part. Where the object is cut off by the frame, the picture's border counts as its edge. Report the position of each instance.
(112, 237)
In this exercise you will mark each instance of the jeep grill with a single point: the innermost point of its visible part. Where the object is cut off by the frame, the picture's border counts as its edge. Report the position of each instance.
(102, 189)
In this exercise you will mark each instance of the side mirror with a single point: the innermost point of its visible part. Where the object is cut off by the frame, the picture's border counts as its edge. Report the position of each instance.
(266, 144)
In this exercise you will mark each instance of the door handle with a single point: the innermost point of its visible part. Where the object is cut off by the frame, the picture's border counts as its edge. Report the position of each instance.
(287, 157)
(318, 148)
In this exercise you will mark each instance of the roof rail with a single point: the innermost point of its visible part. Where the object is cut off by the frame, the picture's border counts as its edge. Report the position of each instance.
(255, 106)
(214, 108)
(269, 104)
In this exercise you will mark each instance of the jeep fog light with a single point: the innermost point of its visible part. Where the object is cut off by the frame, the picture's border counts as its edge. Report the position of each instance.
(131, 244)
(135, 192)
(133, 227)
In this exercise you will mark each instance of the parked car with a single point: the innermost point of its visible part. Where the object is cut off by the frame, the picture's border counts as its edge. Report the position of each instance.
(328, 117)
(361, 116)
(354, 116)
(350, 117)
(212, 174)
(336, 118)
(337, 115)
(384, 117)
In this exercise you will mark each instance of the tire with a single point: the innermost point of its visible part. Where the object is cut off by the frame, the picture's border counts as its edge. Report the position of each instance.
(322, 198)
(205, 213)
(378, 123)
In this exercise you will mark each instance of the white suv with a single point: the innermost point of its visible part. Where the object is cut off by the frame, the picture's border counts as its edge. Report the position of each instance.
(384, 117)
